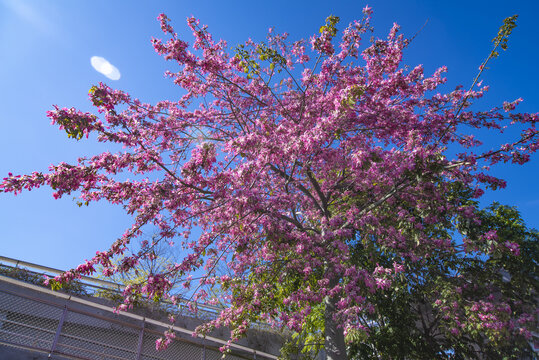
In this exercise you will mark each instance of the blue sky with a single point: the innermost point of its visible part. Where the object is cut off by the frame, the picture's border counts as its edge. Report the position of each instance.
(45, 51)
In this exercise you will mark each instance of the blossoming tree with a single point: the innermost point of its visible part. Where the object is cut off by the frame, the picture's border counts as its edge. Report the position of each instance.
(284, 161)
(421, 315)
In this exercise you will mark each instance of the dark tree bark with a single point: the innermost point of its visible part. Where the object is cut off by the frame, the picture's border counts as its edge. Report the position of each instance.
(335, 347)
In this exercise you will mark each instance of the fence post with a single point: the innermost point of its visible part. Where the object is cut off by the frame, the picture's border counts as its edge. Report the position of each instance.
(57, 335)
(203, 349)
(140, 340)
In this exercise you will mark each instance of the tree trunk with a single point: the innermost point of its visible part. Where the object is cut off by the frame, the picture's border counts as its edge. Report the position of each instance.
(335, 347)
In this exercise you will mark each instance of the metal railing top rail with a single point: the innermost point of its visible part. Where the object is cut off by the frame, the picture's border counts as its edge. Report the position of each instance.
(144, 319)
(50, 271)
(94, 282)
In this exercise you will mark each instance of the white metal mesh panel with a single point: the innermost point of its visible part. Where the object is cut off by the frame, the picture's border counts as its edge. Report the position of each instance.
(231, 357)
(27, 323)
(176, 350)
(94, 338)
(213, 354)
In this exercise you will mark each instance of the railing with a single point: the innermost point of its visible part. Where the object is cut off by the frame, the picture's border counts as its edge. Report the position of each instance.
(33, 317)
(37, 269)
(98, 287)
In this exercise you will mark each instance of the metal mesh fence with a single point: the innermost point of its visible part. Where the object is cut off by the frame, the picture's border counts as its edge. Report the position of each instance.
(27, 323)
(34, 274)
(176, 350)
(95, 338)
(216, 355)
(87, 286)
(33, 323)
